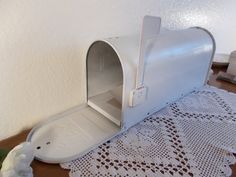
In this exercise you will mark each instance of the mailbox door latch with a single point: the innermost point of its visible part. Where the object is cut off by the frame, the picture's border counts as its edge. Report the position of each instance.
(137, 96)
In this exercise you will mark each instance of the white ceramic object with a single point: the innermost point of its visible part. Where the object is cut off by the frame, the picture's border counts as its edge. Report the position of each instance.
(17, 163)
(174, 64)
(232, 64)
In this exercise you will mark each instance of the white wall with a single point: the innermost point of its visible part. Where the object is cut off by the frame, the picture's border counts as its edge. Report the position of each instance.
(216, 15)
(43, 45)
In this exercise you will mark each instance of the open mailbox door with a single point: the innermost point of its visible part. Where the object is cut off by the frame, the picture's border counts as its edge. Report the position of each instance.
(70, 134)
(121, 72)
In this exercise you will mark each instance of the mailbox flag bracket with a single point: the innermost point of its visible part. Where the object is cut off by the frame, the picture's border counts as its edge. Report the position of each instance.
(151, 27)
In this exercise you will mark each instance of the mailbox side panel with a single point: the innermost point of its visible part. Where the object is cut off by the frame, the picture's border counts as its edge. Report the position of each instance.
(176, 63)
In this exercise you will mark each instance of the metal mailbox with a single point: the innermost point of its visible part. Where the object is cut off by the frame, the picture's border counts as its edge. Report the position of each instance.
(128, 78)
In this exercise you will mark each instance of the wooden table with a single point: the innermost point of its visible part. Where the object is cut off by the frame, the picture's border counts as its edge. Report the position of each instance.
(221, 84)
(48, 170)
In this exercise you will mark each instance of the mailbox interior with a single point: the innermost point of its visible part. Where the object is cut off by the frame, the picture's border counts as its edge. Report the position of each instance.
(105, 81)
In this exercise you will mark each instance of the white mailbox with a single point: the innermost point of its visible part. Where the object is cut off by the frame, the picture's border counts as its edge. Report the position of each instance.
(128, 78)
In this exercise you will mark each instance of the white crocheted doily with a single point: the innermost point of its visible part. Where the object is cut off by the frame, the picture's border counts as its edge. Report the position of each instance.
(193, 137)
